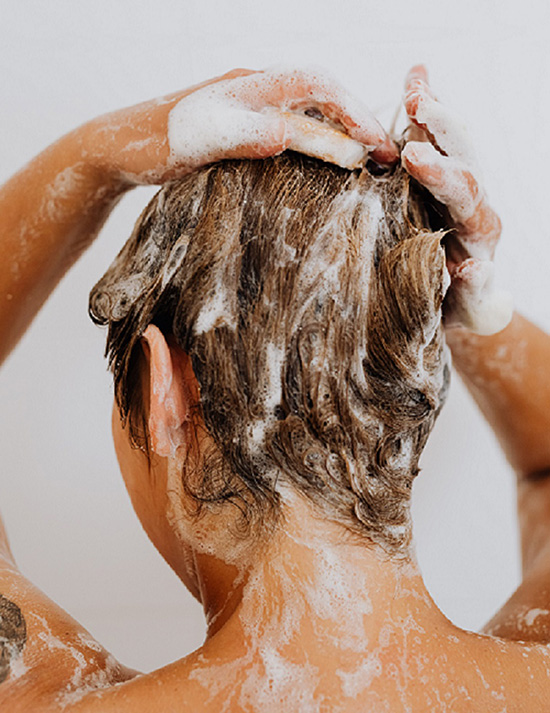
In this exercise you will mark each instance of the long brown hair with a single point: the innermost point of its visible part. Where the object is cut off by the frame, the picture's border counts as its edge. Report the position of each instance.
(309, 298)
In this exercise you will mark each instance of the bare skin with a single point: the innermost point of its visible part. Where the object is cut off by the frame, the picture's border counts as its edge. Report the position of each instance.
(310, 619)
(507, 374)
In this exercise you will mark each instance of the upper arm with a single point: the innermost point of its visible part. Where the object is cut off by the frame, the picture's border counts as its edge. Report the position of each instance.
(46, 658)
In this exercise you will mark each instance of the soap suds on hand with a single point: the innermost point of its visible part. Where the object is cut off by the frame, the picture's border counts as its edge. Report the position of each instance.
(242, 111)
(475, 302)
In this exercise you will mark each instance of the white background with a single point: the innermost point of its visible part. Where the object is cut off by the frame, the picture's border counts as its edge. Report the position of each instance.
(61, 63)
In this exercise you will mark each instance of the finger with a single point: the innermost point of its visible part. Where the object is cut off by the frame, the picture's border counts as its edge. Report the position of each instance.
(387, 153)
(312, 138)
(301, 89)
(417, 81)
(454, 185)
(358, 121)
(238, 72)
(481, 233)
(446, 178)
(446, 132)
(416, 73)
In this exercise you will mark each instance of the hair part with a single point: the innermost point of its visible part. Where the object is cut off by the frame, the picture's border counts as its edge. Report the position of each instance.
(309, 299)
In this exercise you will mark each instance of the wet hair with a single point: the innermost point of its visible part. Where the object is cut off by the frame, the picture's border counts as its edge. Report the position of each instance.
(309, 299)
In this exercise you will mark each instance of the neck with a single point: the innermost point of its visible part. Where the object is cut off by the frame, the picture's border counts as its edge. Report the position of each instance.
(313, 581)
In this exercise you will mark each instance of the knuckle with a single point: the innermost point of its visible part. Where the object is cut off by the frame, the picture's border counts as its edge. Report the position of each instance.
(412, 102)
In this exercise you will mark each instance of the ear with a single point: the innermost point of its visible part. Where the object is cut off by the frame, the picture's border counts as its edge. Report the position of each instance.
(172, 389)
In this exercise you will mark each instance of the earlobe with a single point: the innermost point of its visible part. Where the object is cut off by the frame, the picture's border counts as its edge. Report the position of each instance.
(170, 395)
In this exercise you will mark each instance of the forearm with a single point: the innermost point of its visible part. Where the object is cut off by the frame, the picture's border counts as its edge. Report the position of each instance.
(507, 374)
(50, 211)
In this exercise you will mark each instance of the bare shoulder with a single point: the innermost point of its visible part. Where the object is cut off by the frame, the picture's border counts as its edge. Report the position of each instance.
(49, 663)
(47, 660)
(176, 687)
(462, 673)
(210, 679)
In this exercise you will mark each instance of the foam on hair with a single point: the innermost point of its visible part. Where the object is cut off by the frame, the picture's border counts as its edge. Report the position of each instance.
(309, 298)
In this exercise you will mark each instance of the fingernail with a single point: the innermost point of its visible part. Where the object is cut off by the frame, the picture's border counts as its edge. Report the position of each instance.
(387, 152)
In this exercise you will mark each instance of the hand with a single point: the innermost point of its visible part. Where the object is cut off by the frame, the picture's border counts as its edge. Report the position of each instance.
(439, 156)
(243, 114)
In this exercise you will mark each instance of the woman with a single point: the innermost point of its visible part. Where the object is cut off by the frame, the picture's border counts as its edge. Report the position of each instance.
(268, 422)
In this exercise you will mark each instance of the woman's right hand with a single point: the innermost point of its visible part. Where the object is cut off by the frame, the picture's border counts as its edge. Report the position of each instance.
(224, 118)
(439, 155)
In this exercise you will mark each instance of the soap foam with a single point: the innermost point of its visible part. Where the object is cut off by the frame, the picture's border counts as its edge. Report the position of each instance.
(212, 121)
(313, 138)
(449, 131)
(90, 672)
(216, 312)
(475, 302)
